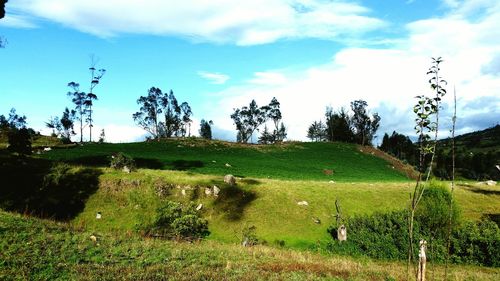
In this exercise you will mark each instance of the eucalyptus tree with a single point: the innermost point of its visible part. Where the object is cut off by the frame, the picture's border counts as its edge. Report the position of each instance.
(148, 116)
(79, 99)
(186, 118)
(364, 126)
(172, 113)
(248, 119)
(206, 129)
(96, 76)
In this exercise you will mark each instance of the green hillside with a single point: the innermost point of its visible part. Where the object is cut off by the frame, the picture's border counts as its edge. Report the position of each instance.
(291, 161)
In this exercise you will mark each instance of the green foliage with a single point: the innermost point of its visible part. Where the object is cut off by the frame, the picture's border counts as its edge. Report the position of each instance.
(20, 141)
(206, 129)
(174, 220)
(385, 235)
(121, 160)
(400, 146)
(433, 211)
(249, 236)
(477, 243)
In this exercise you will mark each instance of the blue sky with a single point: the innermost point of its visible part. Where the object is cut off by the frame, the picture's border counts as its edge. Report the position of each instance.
(221, 54)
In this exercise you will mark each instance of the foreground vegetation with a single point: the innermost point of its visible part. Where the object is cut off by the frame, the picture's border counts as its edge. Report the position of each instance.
(44, 250)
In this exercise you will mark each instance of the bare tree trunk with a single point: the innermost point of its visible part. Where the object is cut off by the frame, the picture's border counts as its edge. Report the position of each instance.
(448, 244)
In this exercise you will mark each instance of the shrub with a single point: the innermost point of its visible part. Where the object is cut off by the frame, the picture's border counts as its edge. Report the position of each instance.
(174, 220)
(121, 160)
(385, 235)
(20, 141)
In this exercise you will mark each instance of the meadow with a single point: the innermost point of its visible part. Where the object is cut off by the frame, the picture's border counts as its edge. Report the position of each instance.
(270, 182)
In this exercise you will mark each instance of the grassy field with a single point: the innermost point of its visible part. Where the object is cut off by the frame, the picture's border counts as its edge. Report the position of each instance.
(34, 249)
(271, 180)
(291, 161)
(126, 200)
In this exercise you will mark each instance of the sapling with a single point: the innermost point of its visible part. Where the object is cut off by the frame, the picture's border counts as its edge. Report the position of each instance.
(425, 109)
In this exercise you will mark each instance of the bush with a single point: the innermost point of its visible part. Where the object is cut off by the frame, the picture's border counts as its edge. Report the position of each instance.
(433, 211)
(20, 141)
(385, 236)
(121, 160)
(174, 220)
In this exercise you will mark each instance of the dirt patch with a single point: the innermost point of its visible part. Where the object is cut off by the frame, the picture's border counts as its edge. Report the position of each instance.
(395, 163)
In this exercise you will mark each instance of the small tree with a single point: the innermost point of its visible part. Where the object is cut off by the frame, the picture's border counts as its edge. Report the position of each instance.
(186, 118)
(266, 137)
(206, 129)
(102, 137)
(338, 125)
(317, 131)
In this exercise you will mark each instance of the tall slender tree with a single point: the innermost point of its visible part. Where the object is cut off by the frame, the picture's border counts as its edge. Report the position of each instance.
(96, 76)
(186, 118)
(148, 115)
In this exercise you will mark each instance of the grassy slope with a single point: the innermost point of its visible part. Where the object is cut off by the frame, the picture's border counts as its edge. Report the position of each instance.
(480, 141)
(293, 161)
(270, 205)
(43, 250)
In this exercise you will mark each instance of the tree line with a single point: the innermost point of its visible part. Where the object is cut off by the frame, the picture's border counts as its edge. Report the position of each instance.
(356, 127)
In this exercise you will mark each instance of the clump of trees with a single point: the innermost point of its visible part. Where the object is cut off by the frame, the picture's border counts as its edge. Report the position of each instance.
(249, 119)
(399, 146)
(161, 115)
(19, 136)
(84, 101)
(63, 127)
(206, 129)
(358, 127)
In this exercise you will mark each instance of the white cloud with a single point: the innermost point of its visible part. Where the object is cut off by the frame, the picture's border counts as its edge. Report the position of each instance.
(17, 21)
(268, 78)
(389, 79)
(213, 77)
(220, 21)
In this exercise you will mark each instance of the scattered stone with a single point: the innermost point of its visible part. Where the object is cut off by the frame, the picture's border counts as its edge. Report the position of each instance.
(302, 203)
(489, 183)
(93, 238)
(316, 220)
(227, 165)
(126, 169)
(183, 192)
(216, 191)
(342, 233)
(498, 167)
(98, 215)
(199, 207)
(47, 149)
(229, 179)
(179, 146)
(331, 182)
(137, 207)
(208, 191)
(213, 161)
(393, 167)
(245, 242)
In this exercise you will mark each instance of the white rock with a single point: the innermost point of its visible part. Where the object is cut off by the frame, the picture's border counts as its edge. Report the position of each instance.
(126, 169)
(93, 238)
(208, 191)
(216, 191)
(98, 215)
(302, 203)
(47, 149)
(183, 192)
(213, 161)
(199, 207)
(331, 182)
(229, 179)
(227, 165)
(491, 183)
